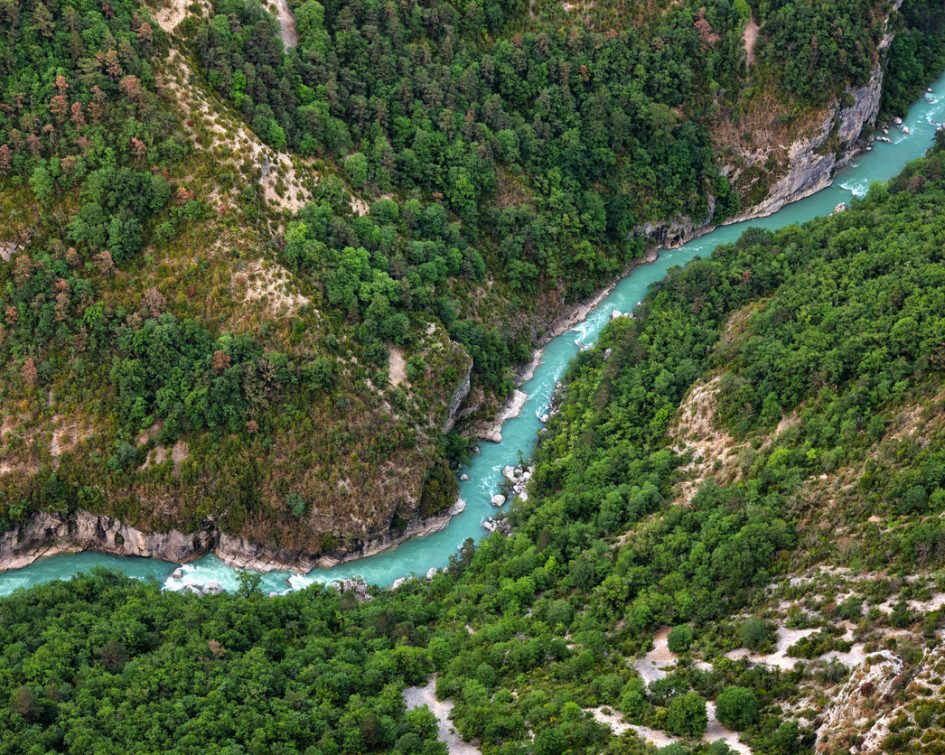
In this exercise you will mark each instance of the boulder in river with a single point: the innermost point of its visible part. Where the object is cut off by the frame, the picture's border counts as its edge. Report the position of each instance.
(498, 500)
(211, 588)
(497, 525)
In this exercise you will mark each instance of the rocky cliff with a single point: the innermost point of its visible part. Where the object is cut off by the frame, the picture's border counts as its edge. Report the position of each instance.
(808, 163)
(813, 160)
(48, 534)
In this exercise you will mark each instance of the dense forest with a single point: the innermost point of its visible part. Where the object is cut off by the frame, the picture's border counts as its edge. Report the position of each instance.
(228, 261)
(243, 281)
(810, 361)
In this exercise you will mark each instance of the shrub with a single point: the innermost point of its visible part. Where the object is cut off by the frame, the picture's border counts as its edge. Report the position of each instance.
(737, 708)
(754, 634)
(686, 715)
(680, 638)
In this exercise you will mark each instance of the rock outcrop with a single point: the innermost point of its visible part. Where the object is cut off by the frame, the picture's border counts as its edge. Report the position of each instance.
(48, 534)
(668, 235)
(457, 399)
(812, 161)
(858, 703)
(492, 431)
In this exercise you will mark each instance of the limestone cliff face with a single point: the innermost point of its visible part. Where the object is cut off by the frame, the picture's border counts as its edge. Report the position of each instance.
(457, 399)
(47, 534)
(668, 235)
(813, 160)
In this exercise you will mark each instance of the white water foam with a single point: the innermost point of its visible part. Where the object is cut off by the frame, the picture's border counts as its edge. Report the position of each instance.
(857, 188)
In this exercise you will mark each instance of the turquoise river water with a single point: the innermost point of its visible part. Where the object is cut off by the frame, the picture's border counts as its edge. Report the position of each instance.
(520, 434)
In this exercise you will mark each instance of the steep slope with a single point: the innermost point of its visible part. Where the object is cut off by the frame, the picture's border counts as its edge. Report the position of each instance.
(787, 599)
(162, 367)
(254, 267)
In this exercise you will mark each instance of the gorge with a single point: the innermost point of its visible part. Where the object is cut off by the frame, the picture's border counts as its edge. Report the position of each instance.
(519, 434)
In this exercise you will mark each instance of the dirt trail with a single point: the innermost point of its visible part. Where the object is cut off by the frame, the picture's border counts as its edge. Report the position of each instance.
(414, 697)
(779, 658)
(714, 730)
(652, 667)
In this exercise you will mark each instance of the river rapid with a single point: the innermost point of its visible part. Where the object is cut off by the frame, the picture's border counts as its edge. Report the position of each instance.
(520, 434)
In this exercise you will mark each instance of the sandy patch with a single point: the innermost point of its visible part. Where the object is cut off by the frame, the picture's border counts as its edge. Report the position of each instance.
(779, 658)
(269, 283)
(178, 455)
(155, 457)
(714, 730)
(750, 39)
(284, 187)
(66, 435)
(694, 430)
(280, 8)
(359, 206)
(414, 697)
(653, 666)
(396, 367)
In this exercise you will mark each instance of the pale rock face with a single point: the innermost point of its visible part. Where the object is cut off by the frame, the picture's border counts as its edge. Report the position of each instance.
(457, 399)
(855, 704)
(46, 534)
(811, 166)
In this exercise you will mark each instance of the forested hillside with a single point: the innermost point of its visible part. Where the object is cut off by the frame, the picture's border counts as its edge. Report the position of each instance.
(755, 461)
(250, 274)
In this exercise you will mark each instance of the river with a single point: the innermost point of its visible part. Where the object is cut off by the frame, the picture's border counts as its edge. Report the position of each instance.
(520, 434)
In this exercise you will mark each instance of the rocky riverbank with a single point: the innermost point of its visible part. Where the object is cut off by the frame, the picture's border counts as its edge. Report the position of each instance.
(48, 534)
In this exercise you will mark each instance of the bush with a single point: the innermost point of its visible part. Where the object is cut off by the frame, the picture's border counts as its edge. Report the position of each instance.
(680, 638)
(754, 634)
(737, 708)
(686, 715)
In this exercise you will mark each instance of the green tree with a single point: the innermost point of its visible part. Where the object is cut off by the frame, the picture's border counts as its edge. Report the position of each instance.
(754, 634)
(737, 708)
(356, 169)
(686, 715)
(680, 638)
